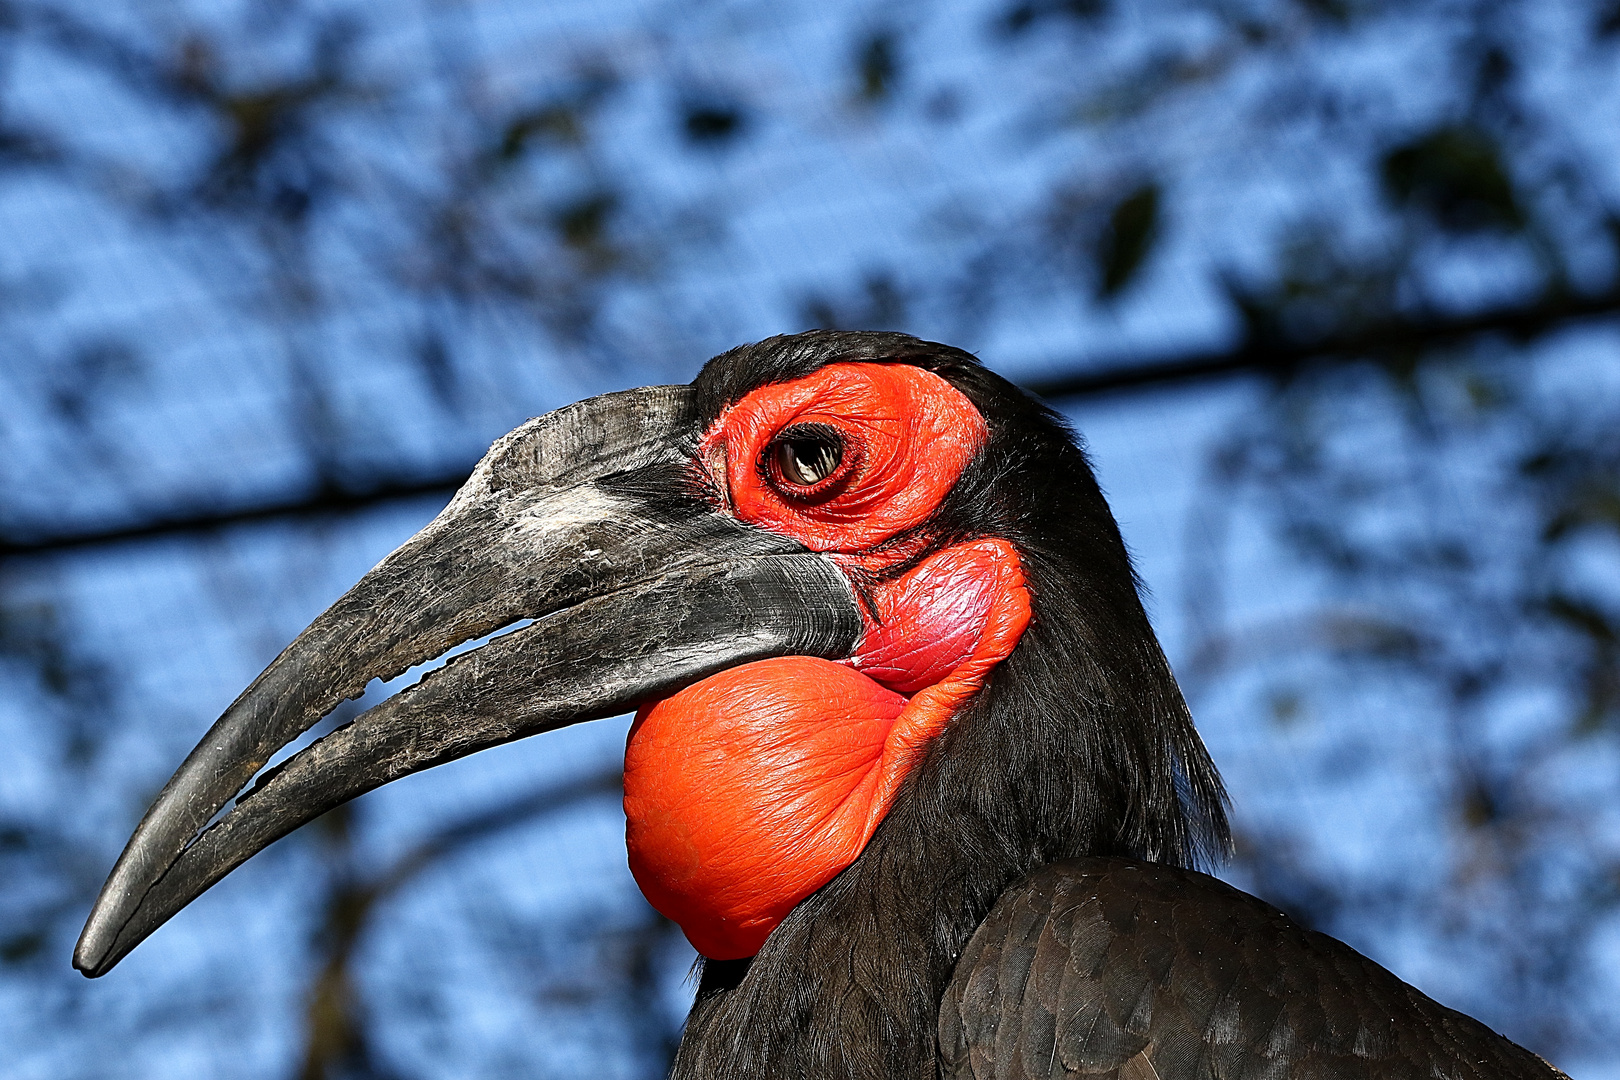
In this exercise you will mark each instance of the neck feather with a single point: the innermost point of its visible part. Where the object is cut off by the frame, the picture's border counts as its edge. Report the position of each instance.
(1079, 745)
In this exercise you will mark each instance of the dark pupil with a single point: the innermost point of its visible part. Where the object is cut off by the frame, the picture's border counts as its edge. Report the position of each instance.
(808, 461)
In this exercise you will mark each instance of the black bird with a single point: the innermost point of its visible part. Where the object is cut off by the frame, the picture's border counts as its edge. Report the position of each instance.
(909, 766)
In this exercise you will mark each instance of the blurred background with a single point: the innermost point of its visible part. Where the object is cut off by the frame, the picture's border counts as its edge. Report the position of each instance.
(1332, 287)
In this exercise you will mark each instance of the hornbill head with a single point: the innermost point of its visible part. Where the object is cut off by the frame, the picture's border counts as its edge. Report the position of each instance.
(833, 558)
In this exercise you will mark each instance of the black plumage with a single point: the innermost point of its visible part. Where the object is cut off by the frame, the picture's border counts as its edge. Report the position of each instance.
(1080, 747)
(1114, 968)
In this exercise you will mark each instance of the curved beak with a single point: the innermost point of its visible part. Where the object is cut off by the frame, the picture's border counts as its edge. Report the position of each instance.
(587, 521)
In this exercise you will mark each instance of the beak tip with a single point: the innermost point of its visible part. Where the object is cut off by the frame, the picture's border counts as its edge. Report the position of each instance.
(96, 952)
(86, 960)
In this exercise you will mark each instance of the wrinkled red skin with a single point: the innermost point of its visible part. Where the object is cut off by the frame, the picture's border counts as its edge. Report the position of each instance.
(749, 790)
(908, 435)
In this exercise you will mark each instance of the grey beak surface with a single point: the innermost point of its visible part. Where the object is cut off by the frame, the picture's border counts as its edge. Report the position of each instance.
(587, 521)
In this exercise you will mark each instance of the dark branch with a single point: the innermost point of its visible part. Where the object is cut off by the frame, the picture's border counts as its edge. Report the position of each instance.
(337, 1040)
(453, 838)
(325, 502)
(1259, 353)
(1280, 357)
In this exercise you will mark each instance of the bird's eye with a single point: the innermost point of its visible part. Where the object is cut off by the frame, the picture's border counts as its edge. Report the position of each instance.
(806, 456)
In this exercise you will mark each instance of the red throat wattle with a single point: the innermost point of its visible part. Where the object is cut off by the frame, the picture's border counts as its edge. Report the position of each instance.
(749, 790)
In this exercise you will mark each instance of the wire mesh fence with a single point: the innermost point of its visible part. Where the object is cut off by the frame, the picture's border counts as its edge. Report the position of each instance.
(1329, 287)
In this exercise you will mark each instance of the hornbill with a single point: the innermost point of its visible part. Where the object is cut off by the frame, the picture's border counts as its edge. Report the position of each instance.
(908, 767)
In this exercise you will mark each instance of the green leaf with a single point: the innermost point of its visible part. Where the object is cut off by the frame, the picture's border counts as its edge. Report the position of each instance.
(1454, 174)
(1132, 228)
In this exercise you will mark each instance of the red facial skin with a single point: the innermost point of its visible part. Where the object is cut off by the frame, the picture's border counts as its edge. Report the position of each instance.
(908, 435)
(749, 790)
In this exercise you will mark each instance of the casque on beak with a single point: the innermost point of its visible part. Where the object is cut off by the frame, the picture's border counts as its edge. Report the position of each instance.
(592, 522)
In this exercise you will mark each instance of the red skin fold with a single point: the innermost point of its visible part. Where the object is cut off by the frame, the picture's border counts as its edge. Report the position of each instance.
(908, 435)
(749, 790)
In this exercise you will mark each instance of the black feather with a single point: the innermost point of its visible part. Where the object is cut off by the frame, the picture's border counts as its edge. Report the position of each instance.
(1177, 975)
(1080, 743)
(1073, 797)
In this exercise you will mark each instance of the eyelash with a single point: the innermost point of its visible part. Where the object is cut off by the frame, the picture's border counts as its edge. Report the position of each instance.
(801, 450)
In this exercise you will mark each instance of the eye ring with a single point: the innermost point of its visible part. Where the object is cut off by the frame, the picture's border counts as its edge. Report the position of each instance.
(806, 462)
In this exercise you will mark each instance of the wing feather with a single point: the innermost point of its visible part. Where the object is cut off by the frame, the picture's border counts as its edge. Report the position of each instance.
(1120, 970)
